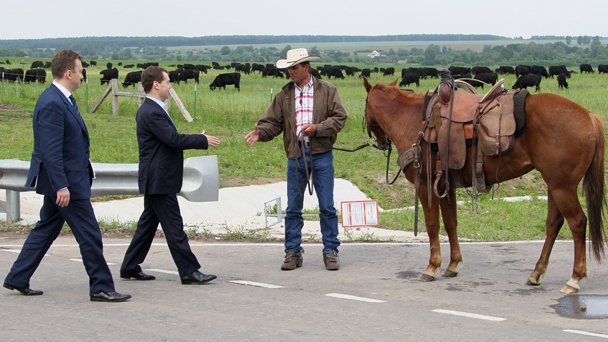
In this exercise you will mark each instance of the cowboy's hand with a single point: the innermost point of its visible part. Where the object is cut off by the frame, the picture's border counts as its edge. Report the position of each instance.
(211, 140)
(310, 130)
(253, 136)
(63, 197)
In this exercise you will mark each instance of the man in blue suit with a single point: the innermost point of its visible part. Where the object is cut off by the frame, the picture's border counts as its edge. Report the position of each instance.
(161, 171)
(60, 170)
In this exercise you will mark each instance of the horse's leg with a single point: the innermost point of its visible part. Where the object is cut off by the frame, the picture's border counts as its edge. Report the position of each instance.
(554, 223)
(431, 221)
(566, 200)
(450, 221)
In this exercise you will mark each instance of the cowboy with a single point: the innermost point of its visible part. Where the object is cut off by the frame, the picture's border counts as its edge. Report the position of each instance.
(310, 114)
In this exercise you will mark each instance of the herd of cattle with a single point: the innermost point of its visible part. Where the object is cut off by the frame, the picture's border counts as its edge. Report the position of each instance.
(477, 76)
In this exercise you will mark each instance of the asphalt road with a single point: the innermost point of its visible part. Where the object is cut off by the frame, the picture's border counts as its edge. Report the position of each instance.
(488, 301)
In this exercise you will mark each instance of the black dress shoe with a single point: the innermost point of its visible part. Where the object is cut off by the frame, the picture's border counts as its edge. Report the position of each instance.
(26, 291)
(109, 297)
(137, 276)
(197, 278)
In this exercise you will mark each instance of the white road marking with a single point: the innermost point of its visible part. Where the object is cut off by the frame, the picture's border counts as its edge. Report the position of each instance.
(470, 315)
(586, 333)
(162, 271)
(12, 250)
(80, 260)
(361, 299)
(253, 283)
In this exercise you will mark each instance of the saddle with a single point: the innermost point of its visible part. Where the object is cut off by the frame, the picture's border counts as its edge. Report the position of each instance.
(458, 119)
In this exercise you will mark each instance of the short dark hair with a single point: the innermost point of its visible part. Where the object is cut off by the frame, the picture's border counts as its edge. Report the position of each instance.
(151, 74)
(63, 61)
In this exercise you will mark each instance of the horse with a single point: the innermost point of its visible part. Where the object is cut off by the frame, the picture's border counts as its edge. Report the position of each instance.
(562, 140)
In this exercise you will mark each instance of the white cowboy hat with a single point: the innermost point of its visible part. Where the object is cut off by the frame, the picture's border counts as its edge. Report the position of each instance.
(296, 56)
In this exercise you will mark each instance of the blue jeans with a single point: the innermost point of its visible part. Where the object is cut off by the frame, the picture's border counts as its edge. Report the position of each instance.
(323, 180)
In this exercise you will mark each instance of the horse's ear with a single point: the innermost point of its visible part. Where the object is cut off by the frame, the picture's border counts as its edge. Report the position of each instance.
(366, 84)
(394, 83)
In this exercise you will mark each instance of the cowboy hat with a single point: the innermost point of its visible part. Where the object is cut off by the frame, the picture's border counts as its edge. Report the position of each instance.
(296, 56)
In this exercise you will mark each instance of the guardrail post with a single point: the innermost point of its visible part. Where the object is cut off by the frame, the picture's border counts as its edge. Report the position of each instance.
(13, 206)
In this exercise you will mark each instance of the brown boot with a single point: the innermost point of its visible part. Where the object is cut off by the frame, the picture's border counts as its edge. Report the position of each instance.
(293, 260)
(332, 261)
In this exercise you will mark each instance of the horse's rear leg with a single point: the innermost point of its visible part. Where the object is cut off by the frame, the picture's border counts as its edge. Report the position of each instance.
(554, 223)
(450, 221)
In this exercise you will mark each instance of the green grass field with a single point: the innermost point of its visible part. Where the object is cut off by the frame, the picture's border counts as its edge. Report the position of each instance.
(230, 114)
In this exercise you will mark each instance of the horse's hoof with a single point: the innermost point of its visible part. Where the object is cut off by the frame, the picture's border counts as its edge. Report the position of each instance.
(426, 278)
(567, 289)
(450, 274)
(533, 281)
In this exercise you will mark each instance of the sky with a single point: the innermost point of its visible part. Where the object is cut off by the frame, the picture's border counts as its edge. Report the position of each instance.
(31, 19)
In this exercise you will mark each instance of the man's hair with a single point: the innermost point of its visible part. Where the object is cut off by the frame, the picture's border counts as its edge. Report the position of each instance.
(151, 74)
(63, 61)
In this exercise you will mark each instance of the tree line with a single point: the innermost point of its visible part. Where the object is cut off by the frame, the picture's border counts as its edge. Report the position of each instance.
(568, 50)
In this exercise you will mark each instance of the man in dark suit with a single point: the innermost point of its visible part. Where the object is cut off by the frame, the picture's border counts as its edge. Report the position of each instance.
(161, 171)
(60, 170)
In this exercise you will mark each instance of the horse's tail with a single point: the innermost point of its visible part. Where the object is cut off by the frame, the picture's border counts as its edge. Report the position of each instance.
(593, 188)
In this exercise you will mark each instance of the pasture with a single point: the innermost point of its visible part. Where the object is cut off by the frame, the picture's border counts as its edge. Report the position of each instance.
(230, 114)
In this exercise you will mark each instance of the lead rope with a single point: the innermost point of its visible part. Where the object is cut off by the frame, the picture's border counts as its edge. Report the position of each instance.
(307, 171)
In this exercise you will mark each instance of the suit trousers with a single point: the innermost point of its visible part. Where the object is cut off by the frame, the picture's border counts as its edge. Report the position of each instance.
(163, 209)
(80, 217)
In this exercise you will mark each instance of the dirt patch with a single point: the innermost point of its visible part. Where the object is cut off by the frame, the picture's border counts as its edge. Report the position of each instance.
(240, 181)
(9, 106)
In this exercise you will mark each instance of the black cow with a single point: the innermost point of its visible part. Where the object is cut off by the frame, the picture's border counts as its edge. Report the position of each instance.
(174, 76)
(562, 81)
(13, 75)
(35, 75)
(486, 77)
(456, 70)
(93, 63)
(257, 67)
(84, 75)
(334, 71)
(528, 80)
(132, 78)
(539, 70)
(108, 74)
(202, 67)
(388, 71)
(522, 70)
(586, 68)
(189, 74)
(147, 64)
(365, 73)
(602, 69)
(555, 70)
(222, 80)
(409, 77)
(504, 69)
(37, 64)
(480, 70)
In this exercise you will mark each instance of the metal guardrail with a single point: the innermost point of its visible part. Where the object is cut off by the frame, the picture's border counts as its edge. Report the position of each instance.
(200, 184)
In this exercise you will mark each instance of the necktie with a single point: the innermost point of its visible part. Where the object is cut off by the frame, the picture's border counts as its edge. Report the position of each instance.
(73, 100)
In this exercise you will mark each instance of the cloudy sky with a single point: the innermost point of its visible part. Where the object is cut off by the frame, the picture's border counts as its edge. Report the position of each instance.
(193, 18)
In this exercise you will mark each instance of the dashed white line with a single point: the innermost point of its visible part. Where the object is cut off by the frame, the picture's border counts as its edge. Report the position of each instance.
(253, 283)
(470, 315)
(80, 260)
(162, 271)
(361, 299)
(12, 250)
(586, 333)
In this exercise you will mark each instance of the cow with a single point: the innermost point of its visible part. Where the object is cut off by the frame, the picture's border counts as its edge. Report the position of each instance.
(257, 67)
(528, 80)
(84, 75)
(13, 75)
(222, 80)
(602, 69)
(555, 70)
(35, 75)
(334, 71)
(409, 77)
(504, 69)
(189, 74)
(147, 64)
(388, 71)
(202, 67)
(174, 76)
(522, 70)
(108, 74)
(539, 70)
(132, 78)
(480, 70)
(485, 78)
(37, 64)
(456, 70)
(586, 68)
(365, 73)
(93, 63)
(562, 81)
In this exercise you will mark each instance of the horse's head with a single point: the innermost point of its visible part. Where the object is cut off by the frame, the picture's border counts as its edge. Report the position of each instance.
(370, 122)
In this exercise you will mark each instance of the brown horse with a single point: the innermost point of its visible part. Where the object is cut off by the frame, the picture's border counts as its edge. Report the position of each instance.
(562, 140)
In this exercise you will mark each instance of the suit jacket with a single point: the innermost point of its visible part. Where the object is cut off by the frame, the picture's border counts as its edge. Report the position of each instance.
(61, 147)
(161, 156)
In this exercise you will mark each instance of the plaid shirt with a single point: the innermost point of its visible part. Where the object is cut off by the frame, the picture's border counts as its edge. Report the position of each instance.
(304, 103)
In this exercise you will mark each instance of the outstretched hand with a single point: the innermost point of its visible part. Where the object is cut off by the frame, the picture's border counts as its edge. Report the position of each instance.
(253, 136)
(211, 140)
